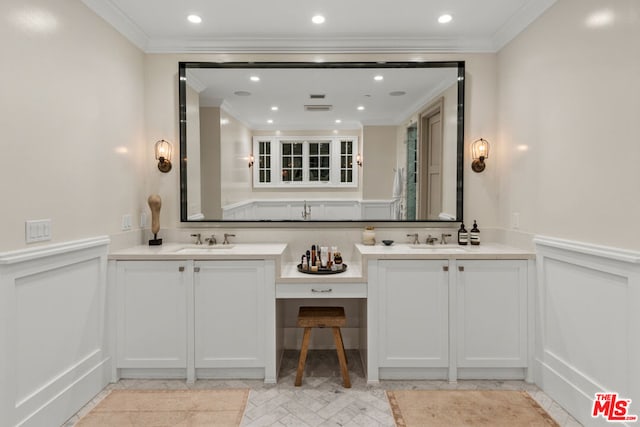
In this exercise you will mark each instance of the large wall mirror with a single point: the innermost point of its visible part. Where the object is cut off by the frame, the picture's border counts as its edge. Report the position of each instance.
(339, 141)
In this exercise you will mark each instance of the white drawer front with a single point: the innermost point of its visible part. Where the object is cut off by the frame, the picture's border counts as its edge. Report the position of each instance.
(321, 290)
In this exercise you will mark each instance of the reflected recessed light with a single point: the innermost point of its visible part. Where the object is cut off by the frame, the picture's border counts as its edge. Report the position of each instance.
(378, 78)
(360, 107)
(254, 78)
(338, 121)
(194, 19)
(242, 93)
(443, 19)
(318, 19)
(274, 108)
(269, 121)
(335, 131)
(397, 93)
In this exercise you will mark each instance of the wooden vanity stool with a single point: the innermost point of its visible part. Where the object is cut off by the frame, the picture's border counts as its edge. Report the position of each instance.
(322, 317)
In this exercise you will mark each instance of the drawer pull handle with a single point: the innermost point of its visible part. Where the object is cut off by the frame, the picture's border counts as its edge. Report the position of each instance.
(181, 269)
(461, 268)
(322, 291)
(445, 268)
(196, 269)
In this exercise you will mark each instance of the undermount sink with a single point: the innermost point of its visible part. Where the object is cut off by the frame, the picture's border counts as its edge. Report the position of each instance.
(436, 247)
(202, 249)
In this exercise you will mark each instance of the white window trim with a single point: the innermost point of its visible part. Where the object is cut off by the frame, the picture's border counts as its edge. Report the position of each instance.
(276, 157)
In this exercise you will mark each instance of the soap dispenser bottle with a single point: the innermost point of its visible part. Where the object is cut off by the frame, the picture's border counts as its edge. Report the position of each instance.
(463, 235)
(474, 234)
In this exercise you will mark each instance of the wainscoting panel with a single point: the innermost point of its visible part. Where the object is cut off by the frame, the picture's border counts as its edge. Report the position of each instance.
(588, 325)
(54, 347)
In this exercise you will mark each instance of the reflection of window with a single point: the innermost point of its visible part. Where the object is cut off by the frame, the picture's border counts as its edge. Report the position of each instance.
(346, 161)
(319, 161)
(291, 161)
(264, 161)
(305, 162)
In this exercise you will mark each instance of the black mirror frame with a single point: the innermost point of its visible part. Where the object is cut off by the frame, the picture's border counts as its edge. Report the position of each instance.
(182, 114)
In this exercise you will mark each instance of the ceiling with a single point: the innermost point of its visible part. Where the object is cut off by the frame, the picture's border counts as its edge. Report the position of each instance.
(160, 26)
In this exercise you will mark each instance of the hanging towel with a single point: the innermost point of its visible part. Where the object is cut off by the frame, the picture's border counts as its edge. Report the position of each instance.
(397, 183)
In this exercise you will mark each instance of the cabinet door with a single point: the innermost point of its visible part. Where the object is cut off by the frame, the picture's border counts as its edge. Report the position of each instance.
(414, 311)
(229, 314)
(152, 314)
(492, 313)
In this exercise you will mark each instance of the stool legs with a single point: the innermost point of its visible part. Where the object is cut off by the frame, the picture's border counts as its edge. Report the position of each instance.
(303, 356)
(342, 357)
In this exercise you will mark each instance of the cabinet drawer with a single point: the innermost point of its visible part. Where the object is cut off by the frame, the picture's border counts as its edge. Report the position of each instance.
(321, 290)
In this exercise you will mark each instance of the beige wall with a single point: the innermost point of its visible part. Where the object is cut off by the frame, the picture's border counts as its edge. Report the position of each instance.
(379, 160)
(210, 168)
(569, 104)
(72, 122)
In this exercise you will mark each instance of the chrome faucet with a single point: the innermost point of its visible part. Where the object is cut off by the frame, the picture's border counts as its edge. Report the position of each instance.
(211, 240)
(226, 238)
(444, 236)
(415, 238)
(198, 237)
(306, 211)
(431, 240)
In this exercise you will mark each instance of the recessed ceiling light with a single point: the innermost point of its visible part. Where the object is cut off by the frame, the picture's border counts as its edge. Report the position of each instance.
(274, 108)
(360, 107)
(318, 19)
(338, 121)
(269, 121)
(443, 19)
(194, 19)
(254, 78)
(378, 78)
(224, 121)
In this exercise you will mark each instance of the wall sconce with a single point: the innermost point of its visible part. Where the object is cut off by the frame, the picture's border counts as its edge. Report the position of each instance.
(251, 160)
(163, 155)
(479, 152)
(359, 160)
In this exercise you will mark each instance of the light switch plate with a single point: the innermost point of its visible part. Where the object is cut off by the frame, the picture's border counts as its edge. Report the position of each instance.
(126, 222)
(38, 230)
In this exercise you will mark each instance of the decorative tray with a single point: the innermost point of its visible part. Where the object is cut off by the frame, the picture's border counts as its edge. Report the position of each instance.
(322, 270)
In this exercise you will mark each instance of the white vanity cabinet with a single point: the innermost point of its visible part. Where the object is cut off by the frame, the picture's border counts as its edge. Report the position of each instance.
(229, 314)
(194, 318)
(151, 313)
(413, 313)
(491, 313)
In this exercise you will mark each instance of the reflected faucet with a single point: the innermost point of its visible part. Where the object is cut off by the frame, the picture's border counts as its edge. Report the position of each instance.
(306, 211)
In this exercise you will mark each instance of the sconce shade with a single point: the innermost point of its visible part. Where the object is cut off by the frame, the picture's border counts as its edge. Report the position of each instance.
(251, 160)
(163, 155)
(359, 159)
(479, 153)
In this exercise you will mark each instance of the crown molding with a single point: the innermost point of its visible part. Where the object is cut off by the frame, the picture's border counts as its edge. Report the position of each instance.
(117, 19)
(518, 22)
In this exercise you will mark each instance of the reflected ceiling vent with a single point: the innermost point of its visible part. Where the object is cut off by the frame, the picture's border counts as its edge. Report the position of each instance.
(317, 96)
(318, 107)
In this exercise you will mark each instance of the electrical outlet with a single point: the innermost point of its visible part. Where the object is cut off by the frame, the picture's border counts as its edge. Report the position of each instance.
(37, 230)
(126, 222)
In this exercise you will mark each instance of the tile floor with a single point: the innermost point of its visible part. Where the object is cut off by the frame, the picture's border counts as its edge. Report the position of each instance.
(322, 401)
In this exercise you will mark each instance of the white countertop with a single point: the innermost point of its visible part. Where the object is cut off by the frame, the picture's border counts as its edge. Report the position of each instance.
(438, 251)
(201, 252)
